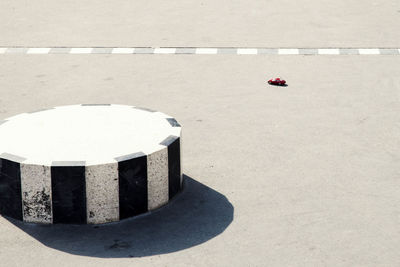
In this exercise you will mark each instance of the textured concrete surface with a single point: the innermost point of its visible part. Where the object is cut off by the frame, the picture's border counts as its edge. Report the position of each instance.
(102, 198)
(207, 23)
(36, 193)
(157, 179)
(304, 175)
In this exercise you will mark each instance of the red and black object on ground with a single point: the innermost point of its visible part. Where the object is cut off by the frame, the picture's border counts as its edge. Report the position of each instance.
(277, 81)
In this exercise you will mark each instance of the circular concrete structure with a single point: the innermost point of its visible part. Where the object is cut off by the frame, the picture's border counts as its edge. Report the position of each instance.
(89, 163)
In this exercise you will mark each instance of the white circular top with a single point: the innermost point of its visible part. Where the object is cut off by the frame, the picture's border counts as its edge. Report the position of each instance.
(96, 134)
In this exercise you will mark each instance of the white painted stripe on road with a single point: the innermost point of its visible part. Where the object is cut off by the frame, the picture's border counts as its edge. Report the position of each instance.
(328, 51)
(123, 50)
(369, 51)
(38, 50)
(200, 50)
(164, 51)
(82, 50)
(288, 51)
(206, 51)
(247, 51)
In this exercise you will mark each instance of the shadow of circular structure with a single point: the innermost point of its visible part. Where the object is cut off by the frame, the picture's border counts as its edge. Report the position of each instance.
(194, 216)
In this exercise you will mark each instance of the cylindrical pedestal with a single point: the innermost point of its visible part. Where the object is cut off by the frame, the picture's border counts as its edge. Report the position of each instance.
(88, 163)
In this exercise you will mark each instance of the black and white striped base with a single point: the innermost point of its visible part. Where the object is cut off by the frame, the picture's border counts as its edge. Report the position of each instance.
(76, 169)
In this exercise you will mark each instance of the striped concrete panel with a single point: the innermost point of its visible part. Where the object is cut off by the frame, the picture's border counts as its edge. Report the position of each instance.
(157, 178)
(173, 122)
(102, 193)
(68, 188)
(132, 174)
(36, 193)
(94, 105)
(10, 187)
(145, 109)
(174, 164)
(180, 162)
(174, 168)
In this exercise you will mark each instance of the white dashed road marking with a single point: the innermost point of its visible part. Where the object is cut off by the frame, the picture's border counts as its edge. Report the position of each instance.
(164, 51)
(203, 51)
(200, 50)
(247, 51)
(123, 50)
(291, 51)
(371, 51)
(329, 51)
(86, 50)
(42, 50)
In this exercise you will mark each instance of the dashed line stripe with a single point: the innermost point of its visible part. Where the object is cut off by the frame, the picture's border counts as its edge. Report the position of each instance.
(38, 50)
(200, 50)
(164, 51)
(329, 51)
(122, 50)
(290, 51)
(83, 50)
(247, 51)
(209, 51)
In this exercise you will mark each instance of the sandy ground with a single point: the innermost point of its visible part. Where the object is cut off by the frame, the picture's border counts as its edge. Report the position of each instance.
(304, 175)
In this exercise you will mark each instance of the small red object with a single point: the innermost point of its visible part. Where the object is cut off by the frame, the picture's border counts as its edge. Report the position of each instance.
(277, 81)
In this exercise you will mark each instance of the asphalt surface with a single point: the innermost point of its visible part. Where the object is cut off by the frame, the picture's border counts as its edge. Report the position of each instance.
(274, 23)
(303, 175)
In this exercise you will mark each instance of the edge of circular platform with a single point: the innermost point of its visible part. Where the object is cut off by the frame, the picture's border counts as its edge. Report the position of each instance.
(131, 185)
